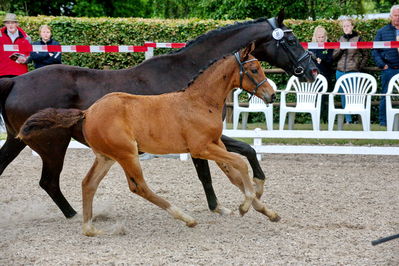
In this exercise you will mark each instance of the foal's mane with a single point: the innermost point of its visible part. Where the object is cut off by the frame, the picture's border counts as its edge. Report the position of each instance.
(202, 70)
(214, 32)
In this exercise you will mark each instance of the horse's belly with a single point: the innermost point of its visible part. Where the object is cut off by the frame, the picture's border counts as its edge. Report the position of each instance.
(161, 144)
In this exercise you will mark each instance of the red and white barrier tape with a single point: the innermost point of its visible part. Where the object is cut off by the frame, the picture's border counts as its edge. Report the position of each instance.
(350, 45)
(165, 45)
(74, 48)
(133, 49)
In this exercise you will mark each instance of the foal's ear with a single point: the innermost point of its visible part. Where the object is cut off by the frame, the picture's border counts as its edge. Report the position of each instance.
(280, 17)
(247, 50)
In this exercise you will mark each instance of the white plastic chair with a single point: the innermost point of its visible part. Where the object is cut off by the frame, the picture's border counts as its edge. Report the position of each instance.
(308, 100)
(392, 113)
(358, 88)
(255, 105)
(2, 125)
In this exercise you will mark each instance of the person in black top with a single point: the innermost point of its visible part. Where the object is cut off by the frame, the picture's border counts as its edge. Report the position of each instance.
(387, 59)
(41, 59)
(323, 60)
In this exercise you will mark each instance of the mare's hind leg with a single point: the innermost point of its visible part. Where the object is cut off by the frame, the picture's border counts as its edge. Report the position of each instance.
(202, 168)
(52, 147)
(246, 150)
(90, 183)
(9, 151)
(137, 184)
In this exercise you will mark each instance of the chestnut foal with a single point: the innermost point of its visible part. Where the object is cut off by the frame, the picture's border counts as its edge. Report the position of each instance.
(119, 126)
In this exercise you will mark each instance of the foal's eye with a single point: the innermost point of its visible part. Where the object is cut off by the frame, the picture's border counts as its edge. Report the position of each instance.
(254, 71)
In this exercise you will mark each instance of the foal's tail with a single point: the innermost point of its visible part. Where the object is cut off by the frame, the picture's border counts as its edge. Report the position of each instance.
(49, 118)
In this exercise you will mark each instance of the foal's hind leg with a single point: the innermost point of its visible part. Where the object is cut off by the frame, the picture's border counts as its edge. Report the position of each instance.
(246, 150)
(137, 184)
(90, 183)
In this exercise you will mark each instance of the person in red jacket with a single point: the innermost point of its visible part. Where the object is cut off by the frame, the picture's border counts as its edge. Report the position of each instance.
(12, 34)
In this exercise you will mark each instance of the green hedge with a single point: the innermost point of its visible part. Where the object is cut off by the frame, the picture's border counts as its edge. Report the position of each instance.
(135, 31)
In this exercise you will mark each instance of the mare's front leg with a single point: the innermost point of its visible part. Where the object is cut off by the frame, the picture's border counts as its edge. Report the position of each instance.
(204, 175)
(9, 151)
(233, 145)
(52, 147)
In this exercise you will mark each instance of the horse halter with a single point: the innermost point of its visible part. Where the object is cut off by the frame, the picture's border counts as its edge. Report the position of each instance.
(243, 71)
(278, 35)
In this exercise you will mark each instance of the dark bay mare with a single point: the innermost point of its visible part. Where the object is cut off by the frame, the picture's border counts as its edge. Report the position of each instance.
(136, 126)
(62, 86)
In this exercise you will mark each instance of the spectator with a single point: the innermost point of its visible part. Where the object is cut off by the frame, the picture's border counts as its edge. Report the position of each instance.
(12, 34)
(387, 59)
(323, 60)
(349, 60)
(41, 59)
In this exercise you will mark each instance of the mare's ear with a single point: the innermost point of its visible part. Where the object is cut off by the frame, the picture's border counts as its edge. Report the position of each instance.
(280, 17)
(247, 50)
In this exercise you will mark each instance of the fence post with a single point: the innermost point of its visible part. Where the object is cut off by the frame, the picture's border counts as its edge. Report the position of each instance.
(149, 53)
(258, 143)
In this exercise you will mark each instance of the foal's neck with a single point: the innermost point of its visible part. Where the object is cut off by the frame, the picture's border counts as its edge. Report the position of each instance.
(215, 83)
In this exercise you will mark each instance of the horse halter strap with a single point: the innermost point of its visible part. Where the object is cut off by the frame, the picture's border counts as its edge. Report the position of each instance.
(278, 35)
(243, 71)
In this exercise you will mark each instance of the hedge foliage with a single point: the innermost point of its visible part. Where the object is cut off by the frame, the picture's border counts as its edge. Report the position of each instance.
(135, 31)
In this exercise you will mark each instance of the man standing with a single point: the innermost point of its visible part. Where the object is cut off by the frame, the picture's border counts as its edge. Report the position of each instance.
(387, 59)
(11, 66)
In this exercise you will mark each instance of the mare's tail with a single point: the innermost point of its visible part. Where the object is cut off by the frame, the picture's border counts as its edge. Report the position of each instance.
(6, 85)
(49, 118)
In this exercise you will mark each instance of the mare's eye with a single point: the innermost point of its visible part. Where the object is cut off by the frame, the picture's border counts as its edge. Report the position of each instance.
(292, 41)
(254, 71)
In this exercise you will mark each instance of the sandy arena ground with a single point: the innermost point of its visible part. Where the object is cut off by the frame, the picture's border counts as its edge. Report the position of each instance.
(331, 206)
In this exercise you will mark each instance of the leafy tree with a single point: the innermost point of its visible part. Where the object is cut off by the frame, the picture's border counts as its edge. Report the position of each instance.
(204, 9)
(34, 7)
(241, 9)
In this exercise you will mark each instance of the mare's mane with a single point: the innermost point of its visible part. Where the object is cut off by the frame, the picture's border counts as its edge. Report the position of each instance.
(211, 33)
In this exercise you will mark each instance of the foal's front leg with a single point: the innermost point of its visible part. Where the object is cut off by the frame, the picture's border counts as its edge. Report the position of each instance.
(233, 145)
(256, 203)
(202, 168)
(241, 179)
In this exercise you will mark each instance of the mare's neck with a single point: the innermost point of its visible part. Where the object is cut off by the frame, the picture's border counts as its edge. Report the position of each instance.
(214, 84)
(221, 42)
(175, 71)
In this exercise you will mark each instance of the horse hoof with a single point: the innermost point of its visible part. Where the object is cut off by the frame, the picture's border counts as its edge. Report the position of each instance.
(223, 211)
(243, 210)
(275, 218)
(191, 224)
(91, 231)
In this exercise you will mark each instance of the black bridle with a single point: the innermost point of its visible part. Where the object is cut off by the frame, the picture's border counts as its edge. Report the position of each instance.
(278, 35)
(243, 71)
